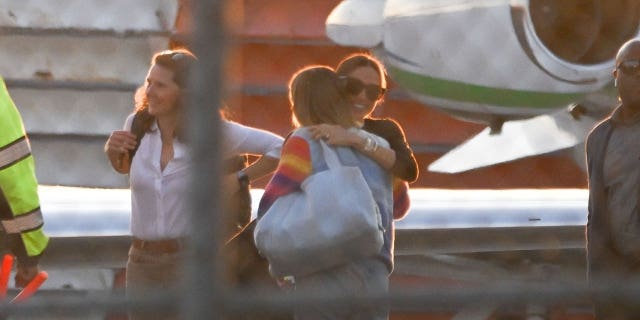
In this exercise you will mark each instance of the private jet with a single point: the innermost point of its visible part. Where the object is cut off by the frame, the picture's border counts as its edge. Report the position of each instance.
(536, 72)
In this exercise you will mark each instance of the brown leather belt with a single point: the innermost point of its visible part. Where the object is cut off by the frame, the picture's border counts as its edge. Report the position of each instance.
(159, 246)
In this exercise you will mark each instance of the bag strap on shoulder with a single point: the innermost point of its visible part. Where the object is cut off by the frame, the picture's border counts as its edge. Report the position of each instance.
(138, 129)
(330, 155)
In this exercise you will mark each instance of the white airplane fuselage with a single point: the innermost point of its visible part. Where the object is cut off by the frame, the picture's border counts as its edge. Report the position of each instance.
(517, 66)
(474, 59)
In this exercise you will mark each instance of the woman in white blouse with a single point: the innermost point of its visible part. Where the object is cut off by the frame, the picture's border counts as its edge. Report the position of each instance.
(158, 165)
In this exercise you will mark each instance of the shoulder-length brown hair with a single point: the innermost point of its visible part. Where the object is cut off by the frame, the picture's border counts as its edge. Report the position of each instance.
(316, 98)
(179, 61)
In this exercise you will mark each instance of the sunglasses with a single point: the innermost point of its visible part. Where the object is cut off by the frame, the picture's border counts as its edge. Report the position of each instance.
(630, 67)
(354, 87)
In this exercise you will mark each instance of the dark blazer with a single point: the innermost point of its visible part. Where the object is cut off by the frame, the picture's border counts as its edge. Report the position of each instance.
(603, 260)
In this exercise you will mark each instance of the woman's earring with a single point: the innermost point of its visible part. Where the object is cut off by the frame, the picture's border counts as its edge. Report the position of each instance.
(615, 82)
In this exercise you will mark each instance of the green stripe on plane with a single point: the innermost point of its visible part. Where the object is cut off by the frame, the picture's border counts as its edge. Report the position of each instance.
(464, 92)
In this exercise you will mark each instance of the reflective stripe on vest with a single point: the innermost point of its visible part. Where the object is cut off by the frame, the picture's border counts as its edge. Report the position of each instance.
(25, 222)
(18, 181)
(14, 152)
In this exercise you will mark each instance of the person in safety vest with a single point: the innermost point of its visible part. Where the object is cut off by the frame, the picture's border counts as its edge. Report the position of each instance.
(20, 216)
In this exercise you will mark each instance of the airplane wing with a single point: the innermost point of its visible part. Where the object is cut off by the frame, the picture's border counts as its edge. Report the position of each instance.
(518, 139)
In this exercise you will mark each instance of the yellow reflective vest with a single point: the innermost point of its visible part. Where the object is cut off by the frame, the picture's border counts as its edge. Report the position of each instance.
(20, 216)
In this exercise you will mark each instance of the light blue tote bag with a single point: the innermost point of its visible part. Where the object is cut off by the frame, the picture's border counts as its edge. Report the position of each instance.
(334, 220)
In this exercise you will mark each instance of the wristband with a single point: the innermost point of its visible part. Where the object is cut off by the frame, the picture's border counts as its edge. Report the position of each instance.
(370, 145)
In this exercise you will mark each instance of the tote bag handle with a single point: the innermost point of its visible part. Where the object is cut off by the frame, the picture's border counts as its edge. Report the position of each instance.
(330, 156)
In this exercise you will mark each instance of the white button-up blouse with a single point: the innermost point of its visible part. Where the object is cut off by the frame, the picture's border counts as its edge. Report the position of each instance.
(158, 203)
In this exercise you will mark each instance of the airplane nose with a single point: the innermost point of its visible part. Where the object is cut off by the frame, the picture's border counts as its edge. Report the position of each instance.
(357, 23)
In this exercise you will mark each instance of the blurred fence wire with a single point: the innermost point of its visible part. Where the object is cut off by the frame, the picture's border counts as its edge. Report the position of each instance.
(76, 84)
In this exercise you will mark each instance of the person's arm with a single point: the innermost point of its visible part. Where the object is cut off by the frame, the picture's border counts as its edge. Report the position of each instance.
(245, 140)
(338, 136)
(293, 168)
(258, 169)
(261, 167)
(405, 167)
(22, 221)
(401, 200)
(242, 140)
(24, 198)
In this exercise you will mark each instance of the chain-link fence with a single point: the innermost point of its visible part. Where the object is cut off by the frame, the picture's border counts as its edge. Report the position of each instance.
(78, 75)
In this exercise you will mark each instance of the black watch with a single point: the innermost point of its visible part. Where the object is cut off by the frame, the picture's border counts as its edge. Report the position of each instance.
(243, 178)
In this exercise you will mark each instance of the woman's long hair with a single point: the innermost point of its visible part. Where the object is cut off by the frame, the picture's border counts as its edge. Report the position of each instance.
(316, 98)
(179, 61)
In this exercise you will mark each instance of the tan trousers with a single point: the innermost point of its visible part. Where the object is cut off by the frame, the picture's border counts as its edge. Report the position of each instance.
(153, 273)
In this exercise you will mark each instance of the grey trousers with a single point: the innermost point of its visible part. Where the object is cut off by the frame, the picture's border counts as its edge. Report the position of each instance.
(357, 279)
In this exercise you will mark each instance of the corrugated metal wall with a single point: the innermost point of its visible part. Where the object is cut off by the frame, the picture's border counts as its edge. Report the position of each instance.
(72, 68)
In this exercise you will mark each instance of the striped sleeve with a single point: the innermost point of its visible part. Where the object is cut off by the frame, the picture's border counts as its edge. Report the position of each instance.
(401, 201)
(293, 168)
